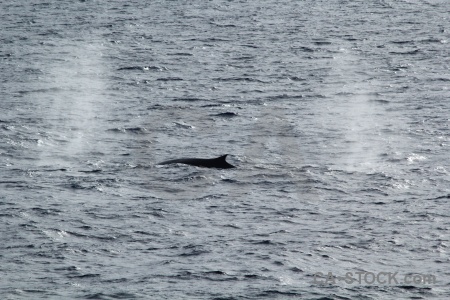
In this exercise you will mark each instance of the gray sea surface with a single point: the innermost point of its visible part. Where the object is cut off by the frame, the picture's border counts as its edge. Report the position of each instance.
(336, 114)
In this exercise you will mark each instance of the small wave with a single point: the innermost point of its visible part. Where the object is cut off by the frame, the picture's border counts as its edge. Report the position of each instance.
(208, 40)
(433, 40)
(84, 276)
(43, 91)
(295, 78)
(382, 101)
(305, 49)
(33, 71)
(223, 25)
(211, 196)
(180, 54)
(136, 130)
(402, 42)
(248, 79)
(208, 275)
(142, 68)
(120, 295)
(250, 46)
(91, 171)
(374, 191)
(216, 276)
(170, 79)
(412, 287)
(234, 226)
(183, 125)
(245, 57)
(320, 43)
(46, 212)
(412, 52)
(263, 242)
(86, 186)
(50, 170)
(194, 252)
(277, 293)
(415, 157)
(188, 99)
(440, 79)
(11, 183)
(226, 114)
(284, 96)
(442, 197)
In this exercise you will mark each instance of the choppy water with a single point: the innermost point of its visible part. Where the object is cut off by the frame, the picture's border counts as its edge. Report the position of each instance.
(335, 112)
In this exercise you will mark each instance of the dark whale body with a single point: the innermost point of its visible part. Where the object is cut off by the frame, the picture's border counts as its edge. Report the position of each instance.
(219, 162)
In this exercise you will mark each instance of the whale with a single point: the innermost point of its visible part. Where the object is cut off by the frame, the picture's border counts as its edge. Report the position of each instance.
(218, 163)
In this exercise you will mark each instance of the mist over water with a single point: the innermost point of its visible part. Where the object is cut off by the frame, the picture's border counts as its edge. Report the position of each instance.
(335, 113)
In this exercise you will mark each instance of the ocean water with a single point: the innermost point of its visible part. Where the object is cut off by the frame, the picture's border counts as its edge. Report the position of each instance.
(336, 114)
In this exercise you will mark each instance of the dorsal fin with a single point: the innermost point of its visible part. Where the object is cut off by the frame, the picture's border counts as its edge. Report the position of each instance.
(221, 161)
(222, 158)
